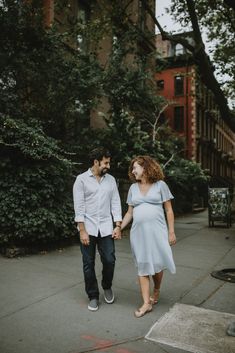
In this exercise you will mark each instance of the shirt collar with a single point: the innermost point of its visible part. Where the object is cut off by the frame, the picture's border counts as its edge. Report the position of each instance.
(90, 172)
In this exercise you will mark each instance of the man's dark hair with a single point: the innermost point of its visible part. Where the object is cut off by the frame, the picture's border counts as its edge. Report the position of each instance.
(98, 154)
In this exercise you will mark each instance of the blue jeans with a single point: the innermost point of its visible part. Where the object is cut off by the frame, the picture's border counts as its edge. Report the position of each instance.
(106, 250)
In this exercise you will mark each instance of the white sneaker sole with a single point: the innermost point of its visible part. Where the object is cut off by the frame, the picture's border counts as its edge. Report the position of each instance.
(109, 301)
(92, 309)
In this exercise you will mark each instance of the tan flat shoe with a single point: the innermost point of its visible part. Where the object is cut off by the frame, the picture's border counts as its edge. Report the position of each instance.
(146, 308)
(155, 297)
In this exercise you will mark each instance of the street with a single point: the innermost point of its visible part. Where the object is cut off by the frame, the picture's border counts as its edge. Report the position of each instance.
(43, 305)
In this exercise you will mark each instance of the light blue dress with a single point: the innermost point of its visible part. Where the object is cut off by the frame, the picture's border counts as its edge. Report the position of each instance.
(149, 233)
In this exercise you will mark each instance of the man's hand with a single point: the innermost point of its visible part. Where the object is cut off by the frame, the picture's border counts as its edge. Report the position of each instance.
(84, 238)
(117, 234)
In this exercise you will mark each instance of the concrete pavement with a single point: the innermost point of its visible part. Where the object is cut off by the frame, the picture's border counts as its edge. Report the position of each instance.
(43, 306)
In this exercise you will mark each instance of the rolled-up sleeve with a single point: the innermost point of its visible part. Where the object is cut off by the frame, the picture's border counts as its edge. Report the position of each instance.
(79, 200)
(116, 204)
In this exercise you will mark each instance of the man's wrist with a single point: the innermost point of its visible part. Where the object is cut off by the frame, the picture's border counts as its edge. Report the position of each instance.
(118, 226)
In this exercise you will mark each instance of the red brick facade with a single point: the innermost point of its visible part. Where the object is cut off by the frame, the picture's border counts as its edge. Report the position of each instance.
(175, 84)
(193, 113)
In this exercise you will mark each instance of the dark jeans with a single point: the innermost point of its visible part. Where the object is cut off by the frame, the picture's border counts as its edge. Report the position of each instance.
(106, 250)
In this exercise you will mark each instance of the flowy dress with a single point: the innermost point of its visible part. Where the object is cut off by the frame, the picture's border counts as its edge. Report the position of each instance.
(149, 232)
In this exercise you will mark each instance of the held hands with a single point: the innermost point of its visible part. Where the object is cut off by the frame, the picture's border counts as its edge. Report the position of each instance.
(117, 233)
(172, 238)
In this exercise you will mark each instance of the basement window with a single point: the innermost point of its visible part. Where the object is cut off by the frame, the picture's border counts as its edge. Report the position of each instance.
(160, 84)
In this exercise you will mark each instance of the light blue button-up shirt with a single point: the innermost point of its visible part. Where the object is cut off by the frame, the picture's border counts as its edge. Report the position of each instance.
(96, 203)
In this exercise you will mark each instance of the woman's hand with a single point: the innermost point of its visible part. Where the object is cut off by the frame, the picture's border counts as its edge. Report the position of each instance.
(172, 238)
(117, 233)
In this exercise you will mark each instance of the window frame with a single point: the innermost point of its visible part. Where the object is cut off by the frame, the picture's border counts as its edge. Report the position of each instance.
(179, 125)
(177, 91)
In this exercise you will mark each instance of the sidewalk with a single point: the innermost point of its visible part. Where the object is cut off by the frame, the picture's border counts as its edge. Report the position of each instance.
(43, 306)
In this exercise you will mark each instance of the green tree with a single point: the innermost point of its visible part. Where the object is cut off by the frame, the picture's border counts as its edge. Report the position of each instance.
(43, 77)
(46, 91)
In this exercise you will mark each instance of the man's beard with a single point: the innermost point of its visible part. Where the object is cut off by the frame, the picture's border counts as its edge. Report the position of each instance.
(103, 171)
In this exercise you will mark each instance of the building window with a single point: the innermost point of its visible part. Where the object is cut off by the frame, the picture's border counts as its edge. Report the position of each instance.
(179, 50)
(179, 85)
(160, 84)
(115, 45)
(207, 123)
(198, 120)
(179, 119)
(83, 13)
(142, 17)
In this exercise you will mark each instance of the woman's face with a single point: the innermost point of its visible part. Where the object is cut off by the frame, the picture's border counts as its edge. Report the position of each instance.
(137, 171)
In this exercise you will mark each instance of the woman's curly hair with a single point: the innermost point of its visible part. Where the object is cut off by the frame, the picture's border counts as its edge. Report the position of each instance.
(152, 170)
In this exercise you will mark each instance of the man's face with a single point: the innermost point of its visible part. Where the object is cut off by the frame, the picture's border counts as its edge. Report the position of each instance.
(104, 166)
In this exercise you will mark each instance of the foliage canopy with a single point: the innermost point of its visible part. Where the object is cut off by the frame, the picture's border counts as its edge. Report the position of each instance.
(47, 90)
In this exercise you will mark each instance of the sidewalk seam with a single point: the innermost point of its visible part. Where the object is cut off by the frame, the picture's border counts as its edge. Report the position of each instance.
(37, 301)
(105, 346)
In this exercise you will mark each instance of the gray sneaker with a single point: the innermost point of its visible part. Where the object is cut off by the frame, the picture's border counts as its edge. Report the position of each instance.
(93, 305)
(108, 296)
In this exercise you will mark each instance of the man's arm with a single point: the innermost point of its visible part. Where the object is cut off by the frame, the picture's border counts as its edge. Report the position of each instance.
(79, 208)
(79, 200)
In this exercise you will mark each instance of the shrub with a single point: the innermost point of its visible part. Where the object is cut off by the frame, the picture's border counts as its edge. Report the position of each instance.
(35, 186)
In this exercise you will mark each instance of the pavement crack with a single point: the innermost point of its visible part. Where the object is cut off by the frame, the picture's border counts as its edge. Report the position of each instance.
(189, 235)
(211, 294)
(202, 278)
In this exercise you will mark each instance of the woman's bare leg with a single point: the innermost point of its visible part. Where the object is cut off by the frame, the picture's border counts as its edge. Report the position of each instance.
(145, 288)
(145, 291)
(157, 279)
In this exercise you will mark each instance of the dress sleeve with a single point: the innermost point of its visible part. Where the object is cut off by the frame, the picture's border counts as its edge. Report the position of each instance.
(165, 192)
(129, 197)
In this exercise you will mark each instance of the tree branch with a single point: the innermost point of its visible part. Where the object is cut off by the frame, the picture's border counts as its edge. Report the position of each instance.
(205, 67)
(200, 57)
(8, 144)
(166, 35)
(171, 158)
(193, 17)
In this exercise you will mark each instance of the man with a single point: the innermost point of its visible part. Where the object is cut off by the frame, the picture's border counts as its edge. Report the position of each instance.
(97, 205)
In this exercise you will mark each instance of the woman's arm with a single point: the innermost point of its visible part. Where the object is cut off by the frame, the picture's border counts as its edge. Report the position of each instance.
(127, 218)
(170, 221)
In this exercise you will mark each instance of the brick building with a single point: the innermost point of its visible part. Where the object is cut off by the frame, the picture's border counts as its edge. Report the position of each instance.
(194, 114)
(81, 10)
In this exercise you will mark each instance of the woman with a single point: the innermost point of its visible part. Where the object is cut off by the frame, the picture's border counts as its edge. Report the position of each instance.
(150, 235)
